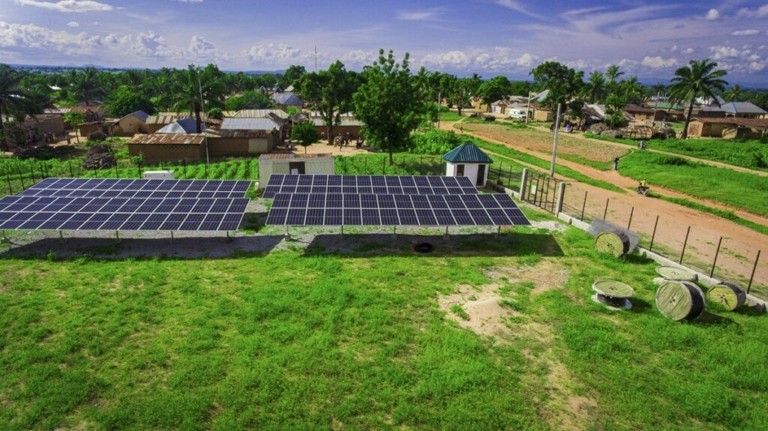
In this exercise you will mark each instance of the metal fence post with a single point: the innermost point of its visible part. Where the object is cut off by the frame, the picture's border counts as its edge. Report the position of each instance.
(685, 243)
(605, 212)
(631, 213)
(752, 277)
(584, 206)
(714, 262)
(653, 236)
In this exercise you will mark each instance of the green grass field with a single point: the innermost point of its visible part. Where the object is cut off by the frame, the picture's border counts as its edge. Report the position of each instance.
(739, 190)
(352, 338)
(751, 154)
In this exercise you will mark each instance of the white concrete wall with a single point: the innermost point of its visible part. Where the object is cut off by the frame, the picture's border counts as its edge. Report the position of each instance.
(320, 166)
(470, 171)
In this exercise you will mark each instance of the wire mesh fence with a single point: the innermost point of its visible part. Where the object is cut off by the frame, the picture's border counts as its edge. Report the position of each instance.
(704, 247)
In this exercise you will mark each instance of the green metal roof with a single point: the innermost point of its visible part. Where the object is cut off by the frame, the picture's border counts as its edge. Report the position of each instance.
(467, 153)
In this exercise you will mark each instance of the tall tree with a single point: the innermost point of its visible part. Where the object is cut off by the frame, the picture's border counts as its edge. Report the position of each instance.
(734, 94)
(195, 87)
(612, 75)
(86, 86)
(494, 89)
(564, 85)
(125, 100)
(329, 92)
(699, 78)
(291, 75)
(390, 103)
(596, 87)
(15, 101)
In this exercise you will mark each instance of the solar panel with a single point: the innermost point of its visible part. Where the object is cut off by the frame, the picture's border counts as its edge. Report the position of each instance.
(397, 210)
(80, 213)
(367, 184)
(145, 188)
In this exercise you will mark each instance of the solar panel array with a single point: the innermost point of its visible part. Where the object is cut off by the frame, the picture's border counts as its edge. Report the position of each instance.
(137, 188)
(376, 200)
(368, 184)
(335, 209)
(111, 204)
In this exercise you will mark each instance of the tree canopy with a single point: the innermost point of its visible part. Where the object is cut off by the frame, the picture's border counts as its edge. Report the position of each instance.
(195, 87)
(126, 100)
(564, 85)
(390, 103)
(329, 92)
(305, 133)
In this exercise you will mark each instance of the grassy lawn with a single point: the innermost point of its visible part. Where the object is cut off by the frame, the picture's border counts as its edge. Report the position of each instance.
(353, 338)
(751, 154)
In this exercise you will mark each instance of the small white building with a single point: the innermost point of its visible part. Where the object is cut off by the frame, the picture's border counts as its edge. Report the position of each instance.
(469, 161)
(322, 164)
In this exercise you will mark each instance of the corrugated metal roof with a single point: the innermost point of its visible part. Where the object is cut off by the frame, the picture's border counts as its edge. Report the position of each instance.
(344, 122)
(287, 99)
(141, 115)
(249, 124)
(184, 125)
(222, 133)
(467, 153)
(260, 113)
(167, 139)
(736, 108)
(273, 156)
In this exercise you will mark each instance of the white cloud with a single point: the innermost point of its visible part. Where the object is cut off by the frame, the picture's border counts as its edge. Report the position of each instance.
(203, 49)
(358, 57)
(748, 32)
(712, 15)
(526, 60)
(517, 6)
(150, 44)
(421, 15)
(277, 55)
(658, 62)
(721, 52)
(446, 59)
(760, 12)
(73, 24)
(756, 66)
(78, 6)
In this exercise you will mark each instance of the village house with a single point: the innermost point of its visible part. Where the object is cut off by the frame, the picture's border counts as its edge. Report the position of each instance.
(244, 136)
(171, 147)
(728, 128)
(131, 124)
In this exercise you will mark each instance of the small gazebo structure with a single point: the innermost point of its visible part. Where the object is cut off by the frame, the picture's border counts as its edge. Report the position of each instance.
(469, 161)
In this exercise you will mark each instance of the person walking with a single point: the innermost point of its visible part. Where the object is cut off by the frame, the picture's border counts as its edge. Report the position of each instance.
(616, 163)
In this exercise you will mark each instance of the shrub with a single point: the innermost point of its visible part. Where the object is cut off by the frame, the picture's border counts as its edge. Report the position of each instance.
(434, 141)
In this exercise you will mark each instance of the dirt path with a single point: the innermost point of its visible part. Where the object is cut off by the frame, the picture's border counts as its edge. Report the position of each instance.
(739, 244)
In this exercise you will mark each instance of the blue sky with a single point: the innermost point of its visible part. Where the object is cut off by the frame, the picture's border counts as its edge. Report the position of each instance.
(648, 39)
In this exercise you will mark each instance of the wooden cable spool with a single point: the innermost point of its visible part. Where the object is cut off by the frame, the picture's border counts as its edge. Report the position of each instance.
(613, 293)
(614, 243)
(727, 294)
(680, 300)
(678, 274)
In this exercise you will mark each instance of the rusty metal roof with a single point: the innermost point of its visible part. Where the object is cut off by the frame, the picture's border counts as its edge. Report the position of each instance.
(276, 156)
(167, 139)
(260, 113)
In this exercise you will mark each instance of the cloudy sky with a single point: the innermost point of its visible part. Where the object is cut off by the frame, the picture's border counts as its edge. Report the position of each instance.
(647, 38)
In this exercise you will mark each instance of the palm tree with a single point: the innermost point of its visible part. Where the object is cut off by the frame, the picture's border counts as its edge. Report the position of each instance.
(734, 94)
(195, 87)
(86, 86)
(697, 79)
(596, 87)
(15, 101)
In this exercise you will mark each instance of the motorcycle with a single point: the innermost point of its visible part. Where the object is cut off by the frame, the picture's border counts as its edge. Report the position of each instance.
(643, 190)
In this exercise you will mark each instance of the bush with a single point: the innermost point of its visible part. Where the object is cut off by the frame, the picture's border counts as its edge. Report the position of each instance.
(97, 137)
(434, 141)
